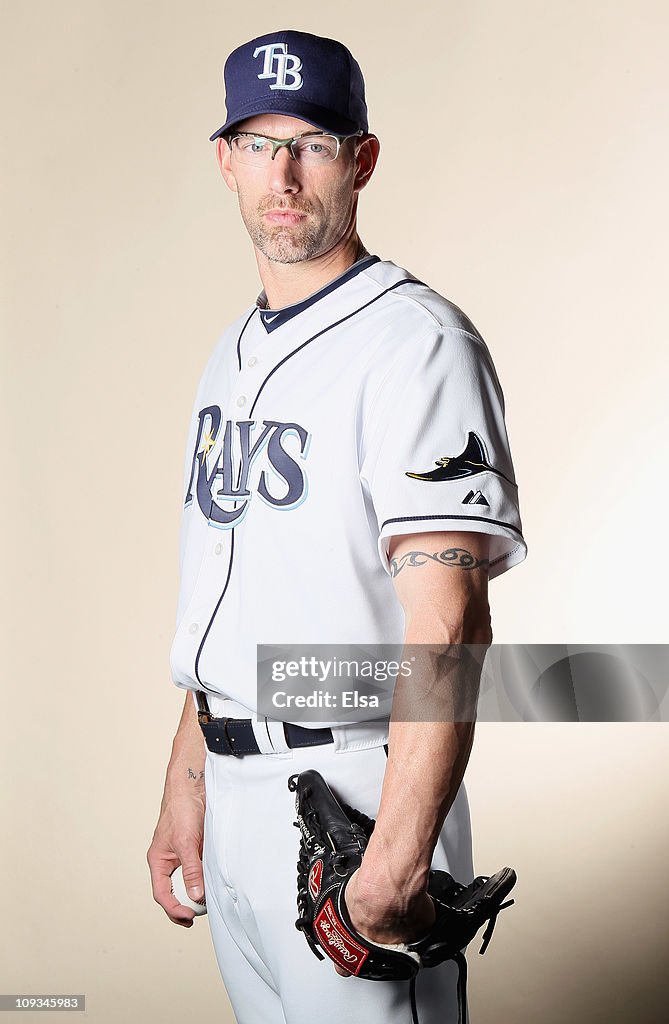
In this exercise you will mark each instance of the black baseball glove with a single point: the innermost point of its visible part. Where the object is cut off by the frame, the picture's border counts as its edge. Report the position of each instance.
(333, 840)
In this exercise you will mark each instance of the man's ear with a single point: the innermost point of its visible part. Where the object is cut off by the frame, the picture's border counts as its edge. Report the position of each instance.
(367, 155)
(223, 157)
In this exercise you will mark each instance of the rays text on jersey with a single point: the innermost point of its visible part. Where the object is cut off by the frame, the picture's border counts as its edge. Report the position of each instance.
(225, 478)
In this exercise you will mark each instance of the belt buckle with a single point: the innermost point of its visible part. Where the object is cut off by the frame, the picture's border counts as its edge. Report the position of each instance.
(229, 738)
(204, 715)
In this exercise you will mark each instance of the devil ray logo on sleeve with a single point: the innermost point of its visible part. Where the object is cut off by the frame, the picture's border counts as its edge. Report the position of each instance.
(227, 480)
(454, 467)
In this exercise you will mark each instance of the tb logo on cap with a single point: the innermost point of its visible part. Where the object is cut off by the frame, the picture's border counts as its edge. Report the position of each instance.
(278, 52)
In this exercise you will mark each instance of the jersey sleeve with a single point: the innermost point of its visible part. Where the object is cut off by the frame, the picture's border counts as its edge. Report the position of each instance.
(435, 453)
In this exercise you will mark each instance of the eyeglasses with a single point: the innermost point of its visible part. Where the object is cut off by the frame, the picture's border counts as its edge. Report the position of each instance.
(309, 149)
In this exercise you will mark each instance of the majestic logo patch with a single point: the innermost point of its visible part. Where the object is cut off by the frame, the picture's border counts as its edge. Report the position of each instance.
(278, 53)
(315, 878)
(471, 461)
(475, 498)
(338, 941)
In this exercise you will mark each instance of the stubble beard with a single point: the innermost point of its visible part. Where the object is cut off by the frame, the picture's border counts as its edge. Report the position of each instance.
(294, 244)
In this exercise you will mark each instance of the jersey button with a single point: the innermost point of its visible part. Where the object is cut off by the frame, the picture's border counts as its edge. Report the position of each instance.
(241, 400)
(252, 361)
(218, 549)
(193, 627)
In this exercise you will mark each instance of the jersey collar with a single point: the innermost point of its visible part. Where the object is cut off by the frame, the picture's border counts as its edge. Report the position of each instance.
(273, 318)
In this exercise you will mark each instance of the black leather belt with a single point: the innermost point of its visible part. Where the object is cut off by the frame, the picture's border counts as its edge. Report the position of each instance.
(235, 735)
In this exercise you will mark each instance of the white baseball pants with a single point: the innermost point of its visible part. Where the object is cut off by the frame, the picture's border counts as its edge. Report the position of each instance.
(250, 872)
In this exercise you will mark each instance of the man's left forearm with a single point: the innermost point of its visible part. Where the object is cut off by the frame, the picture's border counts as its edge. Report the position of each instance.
(430, 740)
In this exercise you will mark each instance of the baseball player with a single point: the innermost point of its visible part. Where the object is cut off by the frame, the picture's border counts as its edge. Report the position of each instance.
(347, 480)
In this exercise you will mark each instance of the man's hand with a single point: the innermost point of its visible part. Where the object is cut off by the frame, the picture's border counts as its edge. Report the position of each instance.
(178, 839)
(386, 917)
(379, 922)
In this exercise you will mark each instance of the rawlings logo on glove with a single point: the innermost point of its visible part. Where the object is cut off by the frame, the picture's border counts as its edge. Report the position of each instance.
(333, 839)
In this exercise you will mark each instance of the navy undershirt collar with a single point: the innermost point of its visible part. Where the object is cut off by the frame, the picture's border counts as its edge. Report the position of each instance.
(273, 318)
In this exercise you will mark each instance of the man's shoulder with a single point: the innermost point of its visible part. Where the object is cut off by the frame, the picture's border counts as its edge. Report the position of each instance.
(416, 301)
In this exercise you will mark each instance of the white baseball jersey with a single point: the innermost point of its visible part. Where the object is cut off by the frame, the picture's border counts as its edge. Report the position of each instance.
(371, 408)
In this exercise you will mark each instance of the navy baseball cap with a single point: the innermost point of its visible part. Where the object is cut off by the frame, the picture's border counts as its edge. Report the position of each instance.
(297, 74)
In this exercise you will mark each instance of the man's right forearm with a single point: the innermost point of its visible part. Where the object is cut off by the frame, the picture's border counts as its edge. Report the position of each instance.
(189, 752)
(179, 835)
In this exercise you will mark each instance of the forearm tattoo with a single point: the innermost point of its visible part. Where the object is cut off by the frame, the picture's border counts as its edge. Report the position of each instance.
(458, 558)
(195, 775)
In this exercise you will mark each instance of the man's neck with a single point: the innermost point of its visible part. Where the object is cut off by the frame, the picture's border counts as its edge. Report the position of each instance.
(286, 283)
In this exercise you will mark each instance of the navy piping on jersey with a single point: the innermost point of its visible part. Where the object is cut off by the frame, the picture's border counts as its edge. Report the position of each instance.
(211, 620)
(405, 280)
(273, 318)
(239, 340)
(477, 519)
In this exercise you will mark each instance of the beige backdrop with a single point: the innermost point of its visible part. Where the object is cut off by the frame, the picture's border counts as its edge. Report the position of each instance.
(531, 190)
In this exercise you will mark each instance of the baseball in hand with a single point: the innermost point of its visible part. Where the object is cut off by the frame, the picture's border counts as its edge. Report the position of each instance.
(179, 891)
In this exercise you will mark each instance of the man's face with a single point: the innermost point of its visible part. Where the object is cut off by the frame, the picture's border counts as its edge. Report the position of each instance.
(292, 213)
